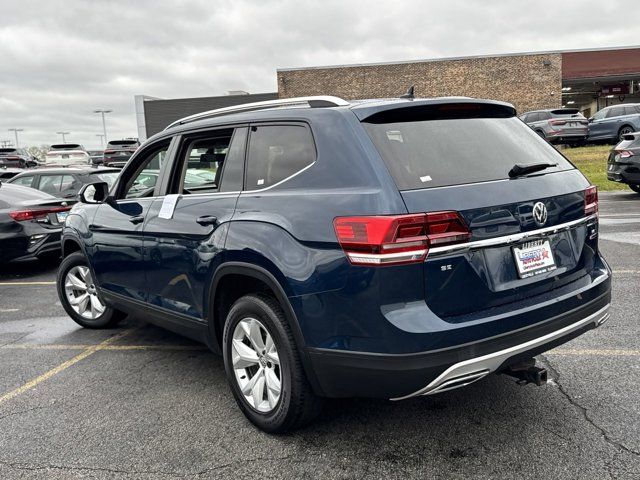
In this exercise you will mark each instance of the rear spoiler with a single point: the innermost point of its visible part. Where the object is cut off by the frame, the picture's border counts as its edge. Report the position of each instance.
(437, 109)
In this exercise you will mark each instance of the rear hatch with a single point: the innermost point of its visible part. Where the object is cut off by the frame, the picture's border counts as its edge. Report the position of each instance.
(66, 157)
(10, 157)
(528, 233)
(569, 120)
(120, 149)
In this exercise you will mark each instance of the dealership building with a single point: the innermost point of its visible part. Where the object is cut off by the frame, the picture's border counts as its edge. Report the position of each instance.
(585, 79)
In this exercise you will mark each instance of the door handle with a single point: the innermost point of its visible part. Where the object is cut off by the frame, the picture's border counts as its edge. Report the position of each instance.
(137, 219)
(207, 220)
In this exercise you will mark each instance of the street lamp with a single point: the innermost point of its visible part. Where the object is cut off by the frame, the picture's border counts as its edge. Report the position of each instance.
(104, 125)
(64, 140)
(101, 137)
(16, 130)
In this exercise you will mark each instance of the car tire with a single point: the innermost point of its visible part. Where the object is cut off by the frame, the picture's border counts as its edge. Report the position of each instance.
(79, 297)
(257, 322)
(624, 131)
(541, 134)
(635, 188)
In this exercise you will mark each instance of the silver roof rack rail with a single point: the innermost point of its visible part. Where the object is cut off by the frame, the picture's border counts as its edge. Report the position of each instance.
(312, 102)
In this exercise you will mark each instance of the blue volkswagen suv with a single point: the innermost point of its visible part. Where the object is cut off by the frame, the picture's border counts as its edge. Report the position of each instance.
(381, 248)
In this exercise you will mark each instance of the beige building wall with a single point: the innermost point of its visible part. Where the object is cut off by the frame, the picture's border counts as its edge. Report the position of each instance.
(527, 81)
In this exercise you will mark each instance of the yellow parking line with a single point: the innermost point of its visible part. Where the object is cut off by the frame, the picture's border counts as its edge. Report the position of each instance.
(26, 283)
(63, 366)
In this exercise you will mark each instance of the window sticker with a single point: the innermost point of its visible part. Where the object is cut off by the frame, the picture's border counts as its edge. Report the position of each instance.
(168, 206)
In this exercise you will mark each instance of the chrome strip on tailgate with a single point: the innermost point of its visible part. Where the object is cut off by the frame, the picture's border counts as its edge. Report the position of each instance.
(468, 371)
(508, 239)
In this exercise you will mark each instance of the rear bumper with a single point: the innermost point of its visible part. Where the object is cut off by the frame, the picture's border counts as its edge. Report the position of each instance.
(397, 376)
(624, 173)
(20, 248)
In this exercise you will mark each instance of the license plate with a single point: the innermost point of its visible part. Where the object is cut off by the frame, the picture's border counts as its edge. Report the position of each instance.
(534, 258)
(62, 216)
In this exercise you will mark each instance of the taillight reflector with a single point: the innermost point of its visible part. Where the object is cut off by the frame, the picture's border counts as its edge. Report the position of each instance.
(591, 200)
(397, 239)
(25, 215)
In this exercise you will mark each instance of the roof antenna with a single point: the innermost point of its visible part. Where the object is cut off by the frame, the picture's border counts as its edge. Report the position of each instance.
(409, 95)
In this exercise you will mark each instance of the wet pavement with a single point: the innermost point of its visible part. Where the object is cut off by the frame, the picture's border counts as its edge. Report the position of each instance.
(139, 402)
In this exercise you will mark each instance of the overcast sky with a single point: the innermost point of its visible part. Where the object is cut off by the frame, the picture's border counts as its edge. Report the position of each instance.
(62, 59)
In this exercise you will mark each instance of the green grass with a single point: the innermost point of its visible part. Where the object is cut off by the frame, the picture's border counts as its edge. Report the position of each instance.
(592, 161)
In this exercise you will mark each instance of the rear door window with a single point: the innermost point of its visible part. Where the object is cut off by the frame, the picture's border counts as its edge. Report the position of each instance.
(55, 184)
(211, 162)
(616, 112)
(277, 152)
(451, 151)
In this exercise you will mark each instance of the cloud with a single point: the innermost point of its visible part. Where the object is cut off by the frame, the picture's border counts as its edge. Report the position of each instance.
(62, 59)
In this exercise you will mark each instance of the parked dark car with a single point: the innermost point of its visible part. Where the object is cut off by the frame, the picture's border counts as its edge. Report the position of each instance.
(118, 152)
(624, 161)
(560, 125)
(613, 123)
(64, 182)
(346, 249)
(30, 223)
(96, 157)
(16, 158)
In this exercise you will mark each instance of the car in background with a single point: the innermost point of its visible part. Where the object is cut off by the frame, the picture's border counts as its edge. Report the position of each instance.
(96, 157)
(559, 125)
(17, 158)
(624, 161)
(30, 223)
(64, 154)
(613, 123)
(118, 152)
(64, 182)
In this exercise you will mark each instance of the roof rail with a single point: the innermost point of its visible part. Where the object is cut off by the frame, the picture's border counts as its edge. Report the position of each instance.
(312, 102)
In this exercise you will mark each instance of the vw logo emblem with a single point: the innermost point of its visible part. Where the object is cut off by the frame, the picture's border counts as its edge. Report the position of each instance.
(540, 214)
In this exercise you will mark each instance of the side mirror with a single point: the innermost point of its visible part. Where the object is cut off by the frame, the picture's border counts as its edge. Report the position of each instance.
(590, 119)
(94, 193)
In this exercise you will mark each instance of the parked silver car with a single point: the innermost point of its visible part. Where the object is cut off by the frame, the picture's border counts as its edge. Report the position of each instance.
(560, 125)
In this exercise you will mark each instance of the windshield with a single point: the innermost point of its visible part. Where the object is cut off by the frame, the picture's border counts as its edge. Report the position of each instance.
(437, 153)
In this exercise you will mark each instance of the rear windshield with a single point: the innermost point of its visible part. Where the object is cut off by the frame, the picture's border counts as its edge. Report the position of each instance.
(5, 151)
(122, 143)
(454, 151)
(66, 146)
(14, 194)
(629, 141)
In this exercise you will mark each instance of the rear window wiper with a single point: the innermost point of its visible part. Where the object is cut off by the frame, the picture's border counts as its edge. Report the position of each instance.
(520, 169)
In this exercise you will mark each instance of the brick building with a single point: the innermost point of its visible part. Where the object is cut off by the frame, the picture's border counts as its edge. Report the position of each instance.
(587, 79)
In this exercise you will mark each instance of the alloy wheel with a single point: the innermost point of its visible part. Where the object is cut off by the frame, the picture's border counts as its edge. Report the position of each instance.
(81, 293)
(624, 132)
(256, 365)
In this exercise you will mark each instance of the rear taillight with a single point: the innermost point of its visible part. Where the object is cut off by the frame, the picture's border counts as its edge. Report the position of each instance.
(25, 215)
(398, 239)
(625, 154)
(558, 122)
(591, 200)
(109, 151)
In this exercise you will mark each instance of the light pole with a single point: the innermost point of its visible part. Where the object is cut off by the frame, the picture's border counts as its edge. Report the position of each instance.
(101, 139)
(64, 140)
(16, 130)
(104, 125)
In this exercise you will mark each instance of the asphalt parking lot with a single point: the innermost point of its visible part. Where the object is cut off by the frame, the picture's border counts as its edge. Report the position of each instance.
(139, 402)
